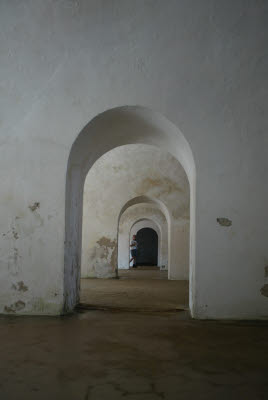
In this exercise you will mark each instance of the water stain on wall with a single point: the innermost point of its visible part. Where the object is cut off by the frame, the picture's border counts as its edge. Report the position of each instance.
(264, 290)
(106, 244)
(224, 221)
(105, 253)
(34, 206)
(164, 185)
(13, 308)
(20, 286)
(15, 234)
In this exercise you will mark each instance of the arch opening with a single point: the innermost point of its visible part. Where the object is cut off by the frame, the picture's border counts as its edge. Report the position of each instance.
(162, 243)
(138, 213)
(113, 128)
(147, 239)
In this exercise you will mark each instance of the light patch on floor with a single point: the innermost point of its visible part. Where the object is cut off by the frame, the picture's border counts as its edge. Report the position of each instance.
(142, 289)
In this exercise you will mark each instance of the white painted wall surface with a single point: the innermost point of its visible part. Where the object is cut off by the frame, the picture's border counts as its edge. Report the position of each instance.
(117, 177)
(202, 64)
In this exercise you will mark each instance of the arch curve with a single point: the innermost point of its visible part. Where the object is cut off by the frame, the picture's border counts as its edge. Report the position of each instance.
(130, 125)
(146, 200)
(146, 219)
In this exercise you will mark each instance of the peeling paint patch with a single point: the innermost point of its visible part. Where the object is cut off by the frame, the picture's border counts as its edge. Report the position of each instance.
(15, 234)
(103, 257)
(224, 221)
(114, 258)
(13, 308)
(34, 206)
(20, 286)
(264, 290)
(9, 310)
(16, 254)
(106, 242)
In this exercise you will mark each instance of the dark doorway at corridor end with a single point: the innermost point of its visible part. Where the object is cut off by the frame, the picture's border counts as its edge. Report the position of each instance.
(147, 240)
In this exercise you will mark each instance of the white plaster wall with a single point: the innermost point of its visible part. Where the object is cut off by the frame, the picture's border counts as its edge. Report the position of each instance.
(136, 217)
(201, 64)
(118, 176)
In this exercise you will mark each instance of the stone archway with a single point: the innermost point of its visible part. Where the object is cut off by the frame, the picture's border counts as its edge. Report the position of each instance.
(142, 214)
(145, 224)
(113, 128)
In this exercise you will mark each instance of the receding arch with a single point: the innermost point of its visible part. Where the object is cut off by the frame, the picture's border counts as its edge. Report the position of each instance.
(149, 220)
(148, 200)
(110, 129)
(155, 225)
(178, 262)
(136, 213)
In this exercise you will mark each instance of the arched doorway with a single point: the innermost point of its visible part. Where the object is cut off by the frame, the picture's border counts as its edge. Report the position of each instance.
(140, 215)
(162, 233)
(113, 128)
(147, 239)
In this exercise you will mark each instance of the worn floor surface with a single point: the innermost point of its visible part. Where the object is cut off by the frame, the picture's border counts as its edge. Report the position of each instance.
(99, 355)
(119, 354)
(136, 290)
(143, 273)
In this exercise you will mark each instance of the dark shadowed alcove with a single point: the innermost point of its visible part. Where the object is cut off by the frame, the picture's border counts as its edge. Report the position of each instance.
(147, 240)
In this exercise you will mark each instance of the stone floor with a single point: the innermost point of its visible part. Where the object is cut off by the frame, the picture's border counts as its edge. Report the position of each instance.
(114, 354)
(100, 355)
(139, 289)
(143, 273)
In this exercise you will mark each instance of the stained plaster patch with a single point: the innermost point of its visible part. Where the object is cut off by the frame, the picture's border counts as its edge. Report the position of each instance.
(13, 308)
(107, 243)
(106, 250)
(165, 186)
(264, 290)
(20, 286)
(224, 221)
(34, 206)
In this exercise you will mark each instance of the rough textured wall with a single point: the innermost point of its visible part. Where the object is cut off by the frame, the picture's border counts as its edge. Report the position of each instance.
(202, 64)
(118, 176)
(136, 217)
